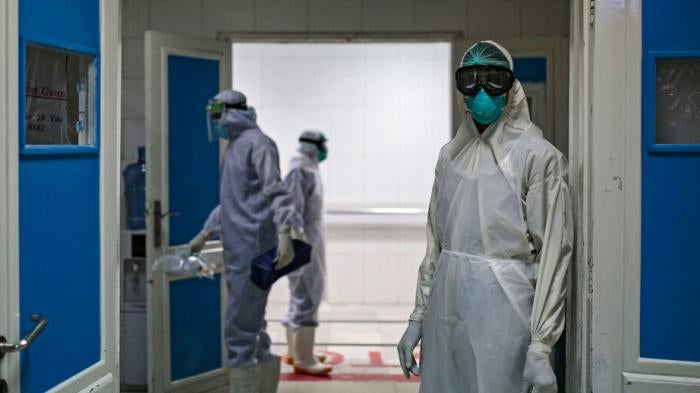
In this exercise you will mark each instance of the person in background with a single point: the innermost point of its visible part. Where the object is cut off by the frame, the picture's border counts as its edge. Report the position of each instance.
(307, 284)
(255, 214)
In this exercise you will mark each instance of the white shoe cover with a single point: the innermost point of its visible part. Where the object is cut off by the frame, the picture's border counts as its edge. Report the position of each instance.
(270, 375)
(245, 380)
(305, 362)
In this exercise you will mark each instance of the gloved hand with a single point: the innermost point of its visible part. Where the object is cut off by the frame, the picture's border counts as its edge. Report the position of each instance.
(285, 249)
(197, 243)
(538, 372)
(408, 343)
(299, 234)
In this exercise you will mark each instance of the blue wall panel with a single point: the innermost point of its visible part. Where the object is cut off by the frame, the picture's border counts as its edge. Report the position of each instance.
(530, 69)
(68, 22)
(193, 160)
(195, 327)
(60, 267)
(670, 284)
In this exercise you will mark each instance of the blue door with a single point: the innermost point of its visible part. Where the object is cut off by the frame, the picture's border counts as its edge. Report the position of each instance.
(185, 313)
(670, 283)
(65, 307)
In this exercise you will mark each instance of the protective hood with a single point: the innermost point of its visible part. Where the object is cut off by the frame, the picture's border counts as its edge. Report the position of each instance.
(310, 149)
(484, 108)
(237, 120)
(486, 56)
(502, 134)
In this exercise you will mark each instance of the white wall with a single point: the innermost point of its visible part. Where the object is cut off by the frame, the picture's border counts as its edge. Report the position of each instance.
(370, 266)
(384, 107)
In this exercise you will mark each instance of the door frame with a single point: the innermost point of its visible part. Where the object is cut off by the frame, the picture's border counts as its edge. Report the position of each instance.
(562, 79)
(579, 319)
(9, 180)
(103, 376)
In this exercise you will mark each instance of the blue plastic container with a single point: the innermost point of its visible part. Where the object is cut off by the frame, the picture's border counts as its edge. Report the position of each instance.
(135, 192)
(263, 273)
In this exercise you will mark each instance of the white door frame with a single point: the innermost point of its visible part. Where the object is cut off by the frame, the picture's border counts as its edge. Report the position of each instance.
(578, 326)
(103, 376)
(559, 77)
(158, 46)
(9, 174)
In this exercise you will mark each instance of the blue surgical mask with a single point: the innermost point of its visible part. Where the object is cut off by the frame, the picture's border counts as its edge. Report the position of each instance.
(221, 130)
(484, 108)
(322, 155)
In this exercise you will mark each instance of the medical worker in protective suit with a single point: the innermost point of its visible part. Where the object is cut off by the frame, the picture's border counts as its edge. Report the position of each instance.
(306, 284)
(255, 214)
(492, 287)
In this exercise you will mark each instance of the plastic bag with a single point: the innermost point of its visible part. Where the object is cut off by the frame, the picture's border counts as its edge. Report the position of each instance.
(180, 263)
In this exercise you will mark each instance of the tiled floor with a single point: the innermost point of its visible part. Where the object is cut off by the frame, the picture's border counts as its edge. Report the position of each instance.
(347, 387)
(360, 340)
(349, 325)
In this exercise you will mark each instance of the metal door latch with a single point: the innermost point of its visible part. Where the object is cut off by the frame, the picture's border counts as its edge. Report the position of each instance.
(158, 217)
(24, 343)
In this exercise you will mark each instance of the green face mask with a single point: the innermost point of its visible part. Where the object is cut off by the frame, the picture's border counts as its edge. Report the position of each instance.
(484, 108)
(322, 155)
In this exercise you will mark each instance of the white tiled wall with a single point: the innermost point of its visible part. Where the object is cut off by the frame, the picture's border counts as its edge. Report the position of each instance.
(369, 266)
(384, 107)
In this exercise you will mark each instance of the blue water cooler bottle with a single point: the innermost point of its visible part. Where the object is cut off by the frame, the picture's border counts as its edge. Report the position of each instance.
(135, 192)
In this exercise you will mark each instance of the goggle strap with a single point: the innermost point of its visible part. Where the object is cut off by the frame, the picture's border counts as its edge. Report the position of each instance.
(318, 144)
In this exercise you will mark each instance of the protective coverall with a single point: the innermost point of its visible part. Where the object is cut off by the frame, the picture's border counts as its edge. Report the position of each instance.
(254, 203)
(307, 284)
(492, 286)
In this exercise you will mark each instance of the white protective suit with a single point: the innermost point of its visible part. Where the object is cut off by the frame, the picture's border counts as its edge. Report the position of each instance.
(493, 281)
(307, 284)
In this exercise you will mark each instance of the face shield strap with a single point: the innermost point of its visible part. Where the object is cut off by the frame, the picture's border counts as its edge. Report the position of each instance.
(216, 109)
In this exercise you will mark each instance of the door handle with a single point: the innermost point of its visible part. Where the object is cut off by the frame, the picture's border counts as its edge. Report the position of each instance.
(158, 217)
(24, 343)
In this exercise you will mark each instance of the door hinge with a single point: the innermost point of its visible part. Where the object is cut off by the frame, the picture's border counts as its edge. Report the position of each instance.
(591, 12)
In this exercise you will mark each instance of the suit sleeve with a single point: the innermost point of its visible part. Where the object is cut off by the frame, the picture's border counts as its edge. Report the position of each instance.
(549, 221)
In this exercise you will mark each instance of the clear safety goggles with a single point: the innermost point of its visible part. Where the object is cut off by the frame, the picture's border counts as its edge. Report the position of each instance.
(495, 81)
